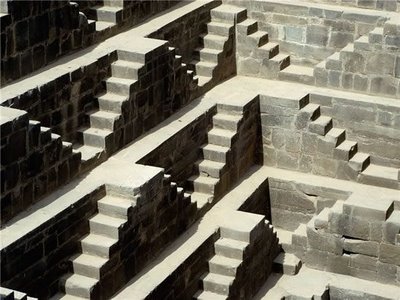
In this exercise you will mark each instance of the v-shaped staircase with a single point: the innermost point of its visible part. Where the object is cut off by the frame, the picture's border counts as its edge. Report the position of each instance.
(99, 253)
(344, 149)
(207, 185)
(105, 121)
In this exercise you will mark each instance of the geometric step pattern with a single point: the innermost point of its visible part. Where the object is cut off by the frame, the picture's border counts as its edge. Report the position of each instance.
(98, 248)
(204, 185)
(98, 138)
(347, 150)
(208, 57)
(287, 263)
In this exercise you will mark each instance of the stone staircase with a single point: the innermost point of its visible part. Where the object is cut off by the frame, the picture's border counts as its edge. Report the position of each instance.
(106, 15)
(99, 249)
(221, 282)
(105, 122)
(298, 73)
(207, 184)
(215, 44)
(341, 148)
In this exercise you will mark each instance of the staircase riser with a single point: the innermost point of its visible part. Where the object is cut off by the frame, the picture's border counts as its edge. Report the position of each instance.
(102, 123)
(205, 56)
(107, 16)
(124, 72)
(223, 124)
(203, 188)
(215, 173)
(216, 288)
(119, 89)
(90, 272)
(229, 252)
(219, 30)
(97, 141)
(77, 292)
(220, 140)
(213, 44)
(222, 270)
(228, 17)
(112, 211)
(95, 250)
(205, 71)
(215, 156)
(103, 229)
(257, 41)
(112, 106)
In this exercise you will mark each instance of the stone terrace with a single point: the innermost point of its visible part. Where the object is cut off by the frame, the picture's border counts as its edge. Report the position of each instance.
(200, 150)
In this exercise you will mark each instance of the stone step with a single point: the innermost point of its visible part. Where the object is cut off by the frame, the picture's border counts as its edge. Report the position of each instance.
(204, 68)
(376, 36)
(112, 102)
(322, 219)
(269, 50)
(201, 199)
(258, 38)
(127, 69)
(106, 14)
(105, 225)
(229, 13)
(362, 43)
(67, 149)
(217, 283)
(99, 138)
(321, 125)
(247, 27)
(360, 161)
(281, 60)
(224, 265)
(202, 80)
(297, 73)
(346, 150)
(207, 54)
(101, 25)
(115, 206)
(299, 236)
(211, 168)
(114, 3)
(89, 155)
(336, 136)
(140, 56)
(230, 248)
(245, 228)
(287, 263)
(221, 137)
(308, 113)
(381, 176)
(284, 236)
(45, 135)
(213, 41)
(105, 120)
(79, 286)
(202, 184)
(88, 265)
(120, 86)
(61, 296)
(99, 245)
(206, 295)
(226, 121)
(219, 28)
(215, 153)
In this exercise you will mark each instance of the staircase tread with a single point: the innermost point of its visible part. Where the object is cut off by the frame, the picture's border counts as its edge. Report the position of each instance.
(116, 201)
(208, 50)
(211, 164)
(96, 131)
(287, 258)
(107, 8)
(268, 46)
(87, 151)
(212, 36)
(299, 70)
(258, 34)
(222, 132)
(279, 57)
(104, 219)
(227, 8)
(120, 80)
(127, 63)
(382, 172)
(231, 243)
(226, 261)
(217, 23)
(105, 114)
(284, 236)
(204, 179)
(219, 279)
(323, 120)
(360, 157)
(227, 117)
(96, 239)
(204, 63)
(247, 22)
(207, 295)
(113, 97)
(88, 259)
(346, 145)
(80, 280)
(216, 148)
(101, 25)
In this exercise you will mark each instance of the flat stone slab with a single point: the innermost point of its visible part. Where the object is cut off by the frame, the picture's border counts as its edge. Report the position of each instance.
(364, 207)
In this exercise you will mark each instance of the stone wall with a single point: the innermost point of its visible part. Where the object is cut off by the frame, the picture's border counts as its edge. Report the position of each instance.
(34, 263)
(308, 31)
(34, 162)
(34, 33)
(387, 5)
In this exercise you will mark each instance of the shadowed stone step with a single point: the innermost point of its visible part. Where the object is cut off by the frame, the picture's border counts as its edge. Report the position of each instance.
(345, 150)
(201, 80)
(99, 245)
(88, 265)
(106, 225)
(111, 102)
(229, 13)
(107, 13)
(226, 121)
(79, 286)
(127, 69)
(213, 41)
(247, 27)
(203, 184)
(368, 208)
(221, 137)
(296, 73)
(360, 161)
(308, 113)
(336, 136)
(206, 295)
(281, 60)
(204, 68)
(219, 28)
(101, 25)
(120, 86)
(206, 54)
(287, 263)
(100, 138)
(269, 50)
(299, 236)
(114, 206)
(381, 176)
(105, 120)
(88, 154)
(230, 248)
(215, 153)
(258, 38)
(216, 283)
(211, 168)
(321, 125)
(224, 265)
(201, 199)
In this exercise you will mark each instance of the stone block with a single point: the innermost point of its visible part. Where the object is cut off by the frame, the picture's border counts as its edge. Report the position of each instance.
(366, 207)
(389, 254)
(295, 34)
(392, 227)
(339, 39)
(324, 241)
(386, 273)
(380, 63)
(384, 85)
(317, 35)
(355, 227)
(360, 246)
(338, 263)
